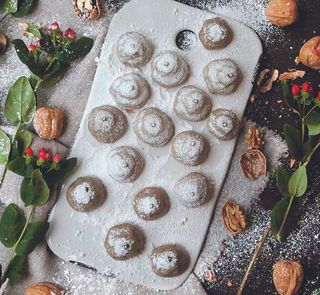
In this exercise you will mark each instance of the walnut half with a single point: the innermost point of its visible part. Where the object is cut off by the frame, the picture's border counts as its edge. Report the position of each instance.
(234, 218)
(253, 164)
(254, 138)
(87, 9)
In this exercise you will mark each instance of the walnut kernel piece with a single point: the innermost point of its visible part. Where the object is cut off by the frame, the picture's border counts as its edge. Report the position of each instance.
(254, 138)
(210, 276)
(291, 75)
(87, 9)
(253, 164)
(48, 123)
(234, 218)
(310, 53)
(282, 12)
(42, 289)
(287, 277)
(266, 78)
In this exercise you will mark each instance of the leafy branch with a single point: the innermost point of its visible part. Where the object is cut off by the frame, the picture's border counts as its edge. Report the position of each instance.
(17, 8)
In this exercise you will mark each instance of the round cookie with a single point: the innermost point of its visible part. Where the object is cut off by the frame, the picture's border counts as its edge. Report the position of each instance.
(124, 241)
(133, 49)
(223, 124)
(169, 69)
(192, 104)
(125, 164)
(215, 33)
(190, 148)
(107, 124)
(169, 260)
(151, 203)
(153, 127)
(86, 194)
(130, 91)
(222, 76)
(193, 190)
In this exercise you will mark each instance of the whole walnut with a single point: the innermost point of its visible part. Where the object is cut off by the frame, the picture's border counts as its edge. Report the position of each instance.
(287, 277)
(48, 123)
(310, 53)
(282, 12)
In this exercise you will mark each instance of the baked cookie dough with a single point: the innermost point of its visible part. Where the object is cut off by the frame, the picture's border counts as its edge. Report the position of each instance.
(215, 33)
(151, 203)
(153, 127)
(193, 190)
(169, 69)
(192, 104)
(86, 194)
(223, 124)
(133, 49)
(190, 148)
(169, 260)
(130, 91)
(124, 241)
(222, 76)
(107, 124)
(125, 164)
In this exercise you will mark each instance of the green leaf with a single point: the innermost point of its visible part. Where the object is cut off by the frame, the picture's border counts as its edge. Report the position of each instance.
(316, 292)
(18, 166)
(24, 139)
(20, 105)
(56, 72)
(34, 30)
(32, 237)
(77, 49)
(8, 6)
(24, 7)
(298, 182)
(34, 189)
(313, 123)
(11, 225)
(26, 58)
(16, 269)
(288, 98)
(292, 137)
(46, 43)
(309, 146)
(277, 217)
(66, 166)
(5, 147)
(282, 181)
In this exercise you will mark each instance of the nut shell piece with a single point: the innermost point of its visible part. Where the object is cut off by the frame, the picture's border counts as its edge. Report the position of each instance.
(310, 53)
(234, 218)
(87, 9)
(42, 289)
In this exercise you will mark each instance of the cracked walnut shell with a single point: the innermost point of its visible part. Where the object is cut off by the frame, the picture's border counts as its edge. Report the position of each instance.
(254, 138)
(253, 164)
(287, 277)
(42, 289)
(48, 123)
(310, 53)
(234, 218)
(87, 9)
(282, 12)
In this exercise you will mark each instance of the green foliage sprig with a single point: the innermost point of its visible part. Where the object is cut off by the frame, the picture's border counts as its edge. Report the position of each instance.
(303, 141)
(17, 8)
(51, 56)
(40, 174)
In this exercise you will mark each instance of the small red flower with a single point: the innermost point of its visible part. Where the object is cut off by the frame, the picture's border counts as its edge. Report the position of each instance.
(56, 158)
(318, 97)
(28, 152)
(42, 150)
(54, 26)
(305, 86)
(295, 90)
(70, 33)
(32, 47)
(42, 154)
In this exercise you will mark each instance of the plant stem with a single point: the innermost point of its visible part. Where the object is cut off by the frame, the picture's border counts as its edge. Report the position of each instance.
(253, 259)
(37, 85)
(284, 220)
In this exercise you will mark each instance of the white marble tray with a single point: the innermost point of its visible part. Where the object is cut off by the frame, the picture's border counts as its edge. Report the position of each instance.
(80, 236)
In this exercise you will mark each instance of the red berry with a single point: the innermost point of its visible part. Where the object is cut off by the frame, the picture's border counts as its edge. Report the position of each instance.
(42, 156)
(305, 86)
(318, 97)
(47, 155)
(42, 150)
(32, 47)
(54, 26)
(28, 152)
(56, 158)
(70, 33)
(295, 90)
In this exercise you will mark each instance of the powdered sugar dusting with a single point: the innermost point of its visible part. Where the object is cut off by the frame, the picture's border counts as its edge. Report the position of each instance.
(83, 194)
(165, 261)
(147, 205)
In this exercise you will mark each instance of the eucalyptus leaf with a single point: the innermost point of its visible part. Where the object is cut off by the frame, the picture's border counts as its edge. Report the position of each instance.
(24, 7)
(298, 182)
(34, 189)
(277, 217)
(16, 269)
(293, 140)
(20, 104)
(32, 237)
(282, 181)
(17, 166)
(56, 72)
(5, 147)
(11, 225)
(8, 6)
(77, 49)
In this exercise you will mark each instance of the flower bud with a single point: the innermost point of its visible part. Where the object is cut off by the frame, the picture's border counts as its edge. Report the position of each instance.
(305, 86)
(56, 158)
(32, 47)
(70, 33)
(28, 152)
(54, 26)
(295, 90)
(42, 155)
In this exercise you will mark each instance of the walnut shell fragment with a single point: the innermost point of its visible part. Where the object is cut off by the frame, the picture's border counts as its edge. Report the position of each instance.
(254, 138)
(43, 289)
(87, 9)
(287, 277)
(234, 218)
(3, 43)
(291, 75)
(253, 164)
(266, 78)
